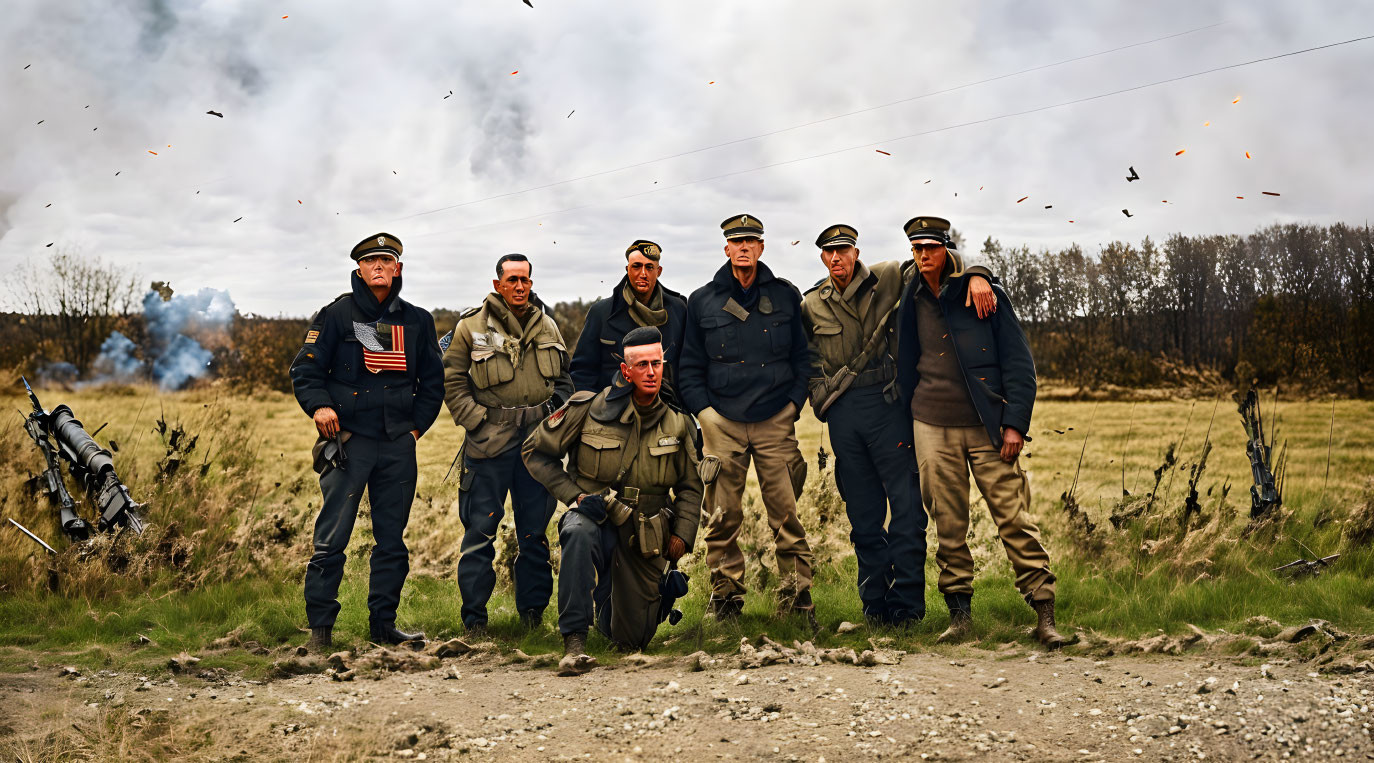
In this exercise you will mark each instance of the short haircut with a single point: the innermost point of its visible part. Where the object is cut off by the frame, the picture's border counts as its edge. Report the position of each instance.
(641, 336)
(500, 264)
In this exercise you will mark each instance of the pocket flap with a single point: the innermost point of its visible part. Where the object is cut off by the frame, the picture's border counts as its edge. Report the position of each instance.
(826, 330)
(552, 344)
(599, 442)
(716, 321)
(663, 450)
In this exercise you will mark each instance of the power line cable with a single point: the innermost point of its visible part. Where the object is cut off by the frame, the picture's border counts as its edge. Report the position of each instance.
(932, 131)
(779, 131)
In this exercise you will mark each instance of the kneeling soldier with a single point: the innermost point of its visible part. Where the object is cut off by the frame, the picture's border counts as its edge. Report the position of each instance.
(625, 439)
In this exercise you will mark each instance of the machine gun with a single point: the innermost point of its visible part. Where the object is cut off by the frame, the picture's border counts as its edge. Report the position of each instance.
(89, 464)
(1266, 493)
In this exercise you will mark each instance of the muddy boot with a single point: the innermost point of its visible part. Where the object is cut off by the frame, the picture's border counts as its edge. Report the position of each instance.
(321, 639)
(476, 632)
(960, 618)
(386, 633)
(1044, 626)
(727, 609)
(575, 660)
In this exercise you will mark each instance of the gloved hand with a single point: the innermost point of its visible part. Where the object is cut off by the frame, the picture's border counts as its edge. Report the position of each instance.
(592, 507)
(676, 548)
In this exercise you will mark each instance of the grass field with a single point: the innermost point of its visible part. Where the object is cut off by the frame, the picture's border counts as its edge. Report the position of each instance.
(231, 533)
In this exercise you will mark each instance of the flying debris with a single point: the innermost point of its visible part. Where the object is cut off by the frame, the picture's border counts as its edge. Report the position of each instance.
(1023, 198)
(1131, 178)
(154, 153)
(927, 182)
(1049, 206)
(712, 82)
(393, 172)
(117, 173)
(884, 153)
(527, 2)
(298, 201)
(27, 65)
(1240, 197)
(285, 17)
(570, 113)
(49, 244)
(1180, 152)
(450, 95)
(1247, 154)
(517, 71)
(214, 113)
(41, 121)
(1127, 213)
(238, 219)
(794, 243)
(1237, 100)
(1269, 193)
(1206, 124)
(45, 207)
(1071, 221)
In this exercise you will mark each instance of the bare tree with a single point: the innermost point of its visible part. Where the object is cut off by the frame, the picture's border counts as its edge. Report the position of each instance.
(76, 302)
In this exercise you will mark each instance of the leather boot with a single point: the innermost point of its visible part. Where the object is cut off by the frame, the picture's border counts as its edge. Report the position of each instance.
(960, 618)
(532, 619)
(575, 660)
(803, 606)
(386, 633)
(1044, 626)
(321, 638)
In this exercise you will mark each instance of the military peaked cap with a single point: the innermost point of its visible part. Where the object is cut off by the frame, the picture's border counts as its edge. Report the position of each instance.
(838, 235)
(647, 248)
(642, 335)
(742, 226)
(381, 243)
(932, 228)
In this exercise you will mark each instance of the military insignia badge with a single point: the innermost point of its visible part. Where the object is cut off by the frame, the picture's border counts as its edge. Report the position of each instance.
(381, 241)
(311, 336)
(662, 441)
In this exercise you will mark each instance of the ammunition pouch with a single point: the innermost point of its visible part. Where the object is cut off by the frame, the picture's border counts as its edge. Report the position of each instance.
(653, 516)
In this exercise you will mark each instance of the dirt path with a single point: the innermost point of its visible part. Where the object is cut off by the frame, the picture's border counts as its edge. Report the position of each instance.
(962, 705)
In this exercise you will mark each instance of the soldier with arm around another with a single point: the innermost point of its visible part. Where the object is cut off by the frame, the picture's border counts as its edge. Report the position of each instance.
(505, 370)
(970, 387)
(370, 376)
(849, 317)
(627, 440)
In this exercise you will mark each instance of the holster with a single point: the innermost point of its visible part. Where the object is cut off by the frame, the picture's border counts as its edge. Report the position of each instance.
(329, 453)
(835, 386)
(653, 517)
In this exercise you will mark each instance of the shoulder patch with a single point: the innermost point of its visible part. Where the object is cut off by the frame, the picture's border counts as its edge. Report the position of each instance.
(468, 313)
(311, 336)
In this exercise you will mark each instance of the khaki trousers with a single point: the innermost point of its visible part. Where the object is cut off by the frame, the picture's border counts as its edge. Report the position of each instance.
(945, 455)
(781, 470)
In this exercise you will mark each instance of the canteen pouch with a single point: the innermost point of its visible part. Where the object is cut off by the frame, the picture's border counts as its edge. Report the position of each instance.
(652, 535)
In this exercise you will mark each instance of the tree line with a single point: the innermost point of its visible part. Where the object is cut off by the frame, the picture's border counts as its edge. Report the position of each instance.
(1288, 303)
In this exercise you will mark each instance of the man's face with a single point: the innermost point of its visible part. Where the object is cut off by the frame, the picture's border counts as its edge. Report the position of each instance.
(930, 256)
(744, 252)
(839, 260)
(643, 273)
(643, 368)
(378, 270)
(514, 284)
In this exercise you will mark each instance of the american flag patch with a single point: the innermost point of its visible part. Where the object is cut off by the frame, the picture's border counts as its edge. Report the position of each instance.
(388, 360)
(311, 336)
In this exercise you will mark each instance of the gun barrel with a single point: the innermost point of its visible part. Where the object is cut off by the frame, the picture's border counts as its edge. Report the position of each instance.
(36, 539)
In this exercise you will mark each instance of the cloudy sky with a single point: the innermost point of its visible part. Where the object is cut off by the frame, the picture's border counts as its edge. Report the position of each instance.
(576, 127)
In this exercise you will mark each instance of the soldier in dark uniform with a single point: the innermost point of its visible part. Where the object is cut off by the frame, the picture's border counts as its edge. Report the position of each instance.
(744, 374)
(638, 300)
(617, 546)
(505, 370)
(369, 374)
(849, 318)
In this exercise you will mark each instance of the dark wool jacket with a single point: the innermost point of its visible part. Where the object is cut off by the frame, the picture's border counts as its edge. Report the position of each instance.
(993, 354)
(599, 351)
(746, 368)
(329, 371)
